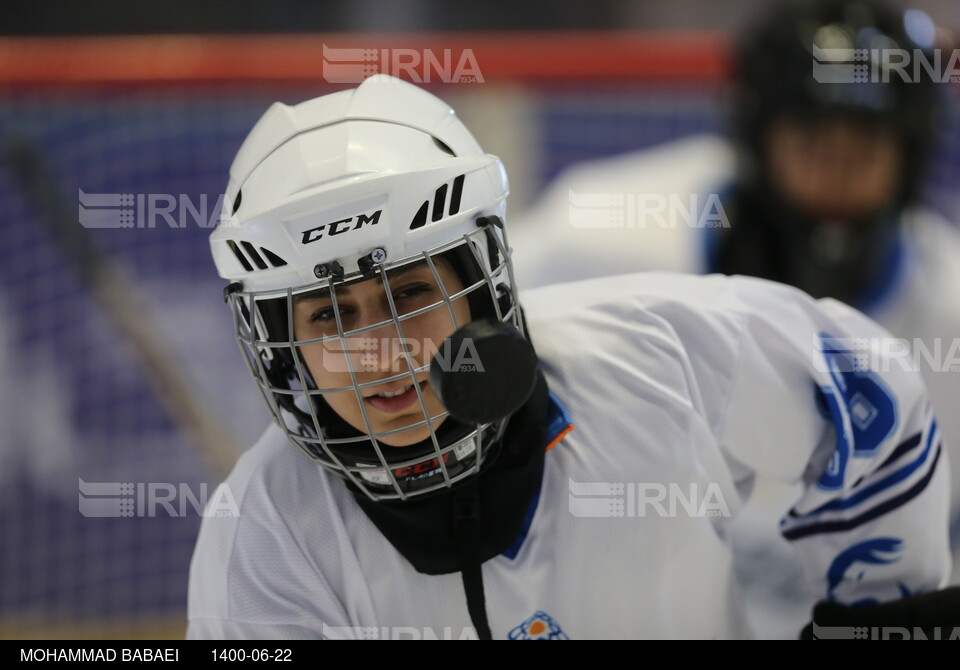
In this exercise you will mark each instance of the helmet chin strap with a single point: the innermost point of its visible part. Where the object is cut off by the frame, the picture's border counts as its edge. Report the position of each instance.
(466, 530)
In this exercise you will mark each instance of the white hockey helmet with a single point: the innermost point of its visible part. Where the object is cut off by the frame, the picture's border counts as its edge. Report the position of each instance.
(345, 188)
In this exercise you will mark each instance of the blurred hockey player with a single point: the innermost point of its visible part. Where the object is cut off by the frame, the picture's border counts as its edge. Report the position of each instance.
(818, 186)
(572, 471)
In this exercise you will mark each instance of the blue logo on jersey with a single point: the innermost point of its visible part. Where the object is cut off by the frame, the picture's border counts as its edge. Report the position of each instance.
(538, 627)
(875, 552)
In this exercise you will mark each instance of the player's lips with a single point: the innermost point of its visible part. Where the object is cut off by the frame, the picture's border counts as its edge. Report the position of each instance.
(397, 398)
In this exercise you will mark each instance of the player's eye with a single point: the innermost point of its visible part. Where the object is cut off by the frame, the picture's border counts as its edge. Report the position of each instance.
(413, 291)
(414, 296)
(326, 315)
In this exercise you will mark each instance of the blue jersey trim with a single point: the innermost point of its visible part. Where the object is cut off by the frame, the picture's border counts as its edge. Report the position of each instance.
(557, 419)
(710, 237)
(557, 422)
(512, 552)
(890, 277)
(905, 446)
(882, 485)
(869, 515)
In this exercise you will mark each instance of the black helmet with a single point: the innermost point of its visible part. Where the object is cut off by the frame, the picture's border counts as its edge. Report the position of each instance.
(815, 60)
(781, 68)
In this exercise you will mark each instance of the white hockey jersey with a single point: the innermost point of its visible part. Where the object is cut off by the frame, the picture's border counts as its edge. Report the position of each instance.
(680, 389)
(656, 210)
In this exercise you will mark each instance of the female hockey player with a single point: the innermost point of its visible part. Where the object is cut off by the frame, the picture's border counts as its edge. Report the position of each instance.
(445, 463)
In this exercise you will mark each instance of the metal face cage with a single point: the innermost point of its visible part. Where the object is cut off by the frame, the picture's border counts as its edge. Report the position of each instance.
(305, 373)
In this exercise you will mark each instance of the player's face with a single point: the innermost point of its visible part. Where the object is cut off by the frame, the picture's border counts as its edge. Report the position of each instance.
(834, 169)
(379, 353)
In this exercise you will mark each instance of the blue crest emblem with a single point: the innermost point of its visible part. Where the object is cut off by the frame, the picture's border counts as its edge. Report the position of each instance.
(538, 627)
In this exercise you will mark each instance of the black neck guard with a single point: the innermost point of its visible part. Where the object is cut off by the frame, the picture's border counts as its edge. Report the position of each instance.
(767, 239)
(425, 530)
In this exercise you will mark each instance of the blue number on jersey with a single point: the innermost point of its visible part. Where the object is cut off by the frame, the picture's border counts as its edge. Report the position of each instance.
(862, 408)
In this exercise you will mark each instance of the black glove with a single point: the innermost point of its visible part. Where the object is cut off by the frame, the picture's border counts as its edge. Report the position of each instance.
(934, 615)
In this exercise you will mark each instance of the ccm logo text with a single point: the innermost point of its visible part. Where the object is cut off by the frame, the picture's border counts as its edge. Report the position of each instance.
(341, 226)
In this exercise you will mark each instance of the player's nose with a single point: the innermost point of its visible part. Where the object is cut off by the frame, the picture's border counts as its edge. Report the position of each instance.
(385, 349)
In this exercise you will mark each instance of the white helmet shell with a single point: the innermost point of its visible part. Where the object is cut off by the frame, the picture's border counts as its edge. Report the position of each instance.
(384, 166)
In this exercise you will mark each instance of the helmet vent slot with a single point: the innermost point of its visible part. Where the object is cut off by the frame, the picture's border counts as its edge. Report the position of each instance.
(254, 256)
(439, 200)
(275, 260)
(443, 146)
(240, 257)
(455, 195)
(421, 217)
